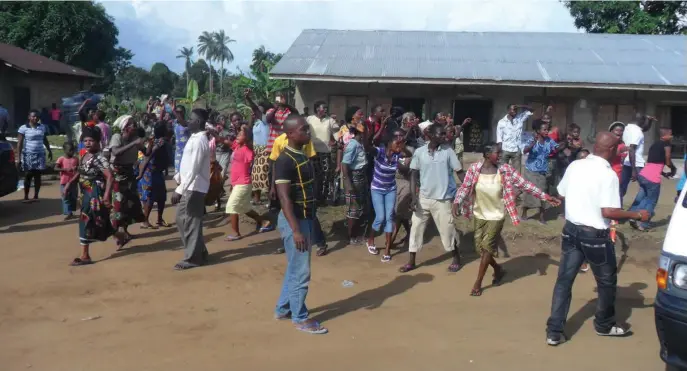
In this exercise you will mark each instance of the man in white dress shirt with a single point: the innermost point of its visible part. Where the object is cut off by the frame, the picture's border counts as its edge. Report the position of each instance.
(509, 134)
(194, 181)
(590, 203)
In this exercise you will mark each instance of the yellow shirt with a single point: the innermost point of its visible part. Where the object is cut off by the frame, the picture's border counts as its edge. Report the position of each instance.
(489, 197)
(281, 142)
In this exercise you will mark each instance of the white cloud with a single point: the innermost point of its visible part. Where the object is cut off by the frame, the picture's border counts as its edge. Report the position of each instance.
(155, 30)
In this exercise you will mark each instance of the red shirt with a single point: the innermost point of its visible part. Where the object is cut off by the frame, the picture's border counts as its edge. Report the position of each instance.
(554, 134)
(617, 162)
(277, 127)
(240, 165)
(372, 125)
(64, 163)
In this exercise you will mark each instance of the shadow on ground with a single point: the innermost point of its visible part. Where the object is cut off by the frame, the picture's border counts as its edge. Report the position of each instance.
(627, 299)
(370, 299)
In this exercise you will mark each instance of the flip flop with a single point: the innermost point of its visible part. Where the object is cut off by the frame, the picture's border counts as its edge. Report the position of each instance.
(407, 268)
(149, 226)
(268, 228)
(476, 292)
(453, 268)
(120, 246)
(182, 266)
(79, 262)
(311, 327)
(163, 224)
(497, 279)
(321, 251)
(232, 237)
(279, 251)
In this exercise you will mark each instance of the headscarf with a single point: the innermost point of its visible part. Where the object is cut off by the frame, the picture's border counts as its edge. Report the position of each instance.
(121, 122)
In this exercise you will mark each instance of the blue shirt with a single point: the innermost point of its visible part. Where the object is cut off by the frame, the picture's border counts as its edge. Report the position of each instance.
(683, 180)
(261, 133)
(436, 172)
(181, 135)
(33, 138)
(384, 176)
(538, 158)
(354, 155)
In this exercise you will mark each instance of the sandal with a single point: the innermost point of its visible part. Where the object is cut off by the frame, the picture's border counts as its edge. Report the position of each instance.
(79, 262)
(279, 251)
(120, 245)
(453, 268)
(162, 223)
(321, 251)
(386, 258)
(476, 292)
(311, 327)
(372, 249)
(183, 265)
(147, 226)
(498, 278)
(407, 268)
(267, 228)
(232, 237)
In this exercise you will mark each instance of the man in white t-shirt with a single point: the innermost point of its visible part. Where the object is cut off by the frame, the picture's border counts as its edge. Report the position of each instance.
(590, 204)
(633, 137)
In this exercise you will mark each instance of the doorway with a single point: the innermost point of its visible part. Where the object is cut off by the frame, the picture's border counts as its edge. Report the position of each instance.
(22, 106)
(415, 105)
(479, 131)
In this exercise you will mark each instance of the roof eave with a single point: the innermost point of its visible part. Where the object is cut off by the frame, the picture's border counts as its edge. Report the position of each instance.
(428, 81)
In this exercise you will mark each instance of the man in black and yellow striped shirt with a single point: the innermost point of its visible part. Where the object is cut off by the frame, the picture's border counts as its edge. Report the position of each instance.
(294, 181)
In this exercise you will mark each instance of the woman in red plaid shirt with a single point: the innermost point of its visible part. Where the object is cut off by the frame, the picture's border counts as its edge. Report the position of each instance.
(486, 195)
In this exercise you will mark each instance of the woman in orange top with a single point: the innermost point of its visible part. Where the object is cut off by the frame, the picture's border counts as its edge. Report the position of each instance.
(618, 128)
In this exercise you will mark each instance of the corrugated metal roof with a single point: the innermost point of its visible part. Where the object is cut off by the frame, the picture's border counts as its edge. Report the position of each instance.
(28, 61)
(547, 58)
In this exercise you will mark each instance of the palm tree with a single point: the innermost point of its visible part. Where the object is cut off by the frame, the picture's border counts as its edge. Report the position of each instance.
(222, 54)
(206, 46)
(186, 53)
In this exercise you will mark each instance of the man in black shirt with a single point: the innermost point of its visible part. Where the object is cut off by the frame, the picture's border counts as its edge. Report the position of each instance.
(295, 185)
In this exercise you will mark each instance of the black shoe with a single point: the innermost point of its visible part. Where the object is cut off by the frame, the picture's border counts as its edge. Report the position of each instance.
(616, 331)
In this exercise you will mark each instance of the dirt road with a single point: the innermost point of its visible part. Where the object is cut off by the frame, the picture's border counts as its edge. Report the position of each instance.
(219, 317)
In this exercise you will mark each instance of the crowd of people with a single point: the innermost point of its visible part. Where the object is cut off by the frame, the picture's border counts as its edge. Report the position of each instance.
(388, 170)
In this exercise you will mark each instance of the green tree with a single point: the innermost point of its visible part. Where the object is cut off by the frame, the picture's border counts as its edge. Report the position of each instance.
(186, 53)
(222, 54)
(208, 48)
(79, 33)
(162, 78)
(263, 60)
(629, 17)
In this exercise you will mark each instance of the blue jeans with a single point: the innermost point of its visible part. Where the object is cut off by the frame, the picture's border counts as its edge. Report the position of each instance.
(297, 276)
(647, 198)
(69, 202)
(580, 244)
(625, 179)
(384, 203)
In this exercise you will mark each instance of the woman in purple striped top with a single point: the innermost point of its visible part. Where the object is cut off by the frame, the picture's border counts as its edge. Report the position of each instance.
(384, 189)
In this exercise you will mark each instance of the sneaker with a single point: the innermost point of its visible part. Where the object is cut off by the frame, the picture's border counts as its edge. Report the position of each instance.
(616, 331)
(555, 339)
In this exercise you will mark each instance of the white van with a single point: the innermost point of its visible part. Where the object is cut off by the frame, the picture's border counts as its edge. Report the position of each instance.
(670, 307)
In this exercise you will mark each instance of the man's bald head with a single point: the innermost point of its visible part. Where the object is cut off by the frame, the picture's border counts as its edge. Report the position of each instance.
(297, 130)
(606, 145)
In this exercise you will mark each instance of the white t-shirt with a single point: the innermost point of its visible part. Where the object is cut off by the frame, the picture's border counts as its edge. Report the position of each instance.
(634, 135)
(586, 195)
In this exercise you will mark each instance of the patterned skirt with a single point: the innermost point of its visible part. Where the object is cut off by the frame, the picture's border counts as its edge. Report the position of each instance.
(32, 161)
(260, 172)
(94, 222)
(152, 186)
(126, 204)
(358, 199)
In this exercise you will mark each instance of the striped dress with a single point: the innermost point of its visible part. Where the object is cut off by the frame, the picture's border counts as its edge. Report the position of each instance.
(277, 127)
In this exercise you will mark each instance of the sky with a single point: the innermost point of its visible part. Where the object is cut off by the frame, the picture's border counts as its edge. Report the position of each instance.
(156, 30)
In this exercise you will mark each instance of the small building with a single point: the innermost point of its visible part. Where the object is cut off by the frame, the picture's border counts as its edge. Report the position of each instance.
(31, 81)
(589, 79)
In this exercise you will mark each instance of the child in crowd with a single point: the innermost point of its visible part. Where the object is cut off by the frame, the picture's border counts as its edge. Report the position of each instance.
(242, 186)
(537, 166)
(573, 139)
(68, 165)
(582, 154)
